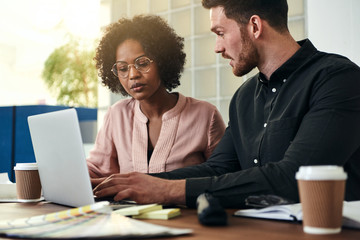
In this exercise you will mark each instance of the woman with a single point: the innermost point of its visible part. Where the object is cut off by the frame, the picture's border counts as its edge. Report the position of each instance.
(154, 130)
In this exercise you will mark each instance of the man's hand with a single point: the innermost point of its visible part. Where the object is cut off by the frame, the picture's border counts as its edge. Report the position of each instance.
(142, 189)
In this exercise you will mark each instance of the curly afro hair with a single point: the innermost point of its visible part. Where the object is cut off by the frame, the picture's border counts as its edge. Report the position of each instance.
(159, 41)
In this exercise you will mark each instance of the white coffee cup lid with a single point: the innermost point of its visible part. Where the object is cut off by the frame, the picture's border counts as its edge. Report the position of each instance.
(26, 166)
(326, 172)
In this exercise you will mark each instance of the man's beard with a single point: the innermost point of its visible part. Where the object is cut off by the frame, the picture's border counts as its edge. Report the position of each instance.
(248, 58)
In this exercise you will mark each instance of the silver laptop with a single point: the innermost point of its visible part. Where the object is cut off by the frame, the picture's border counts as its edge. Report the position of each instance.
(61, 160)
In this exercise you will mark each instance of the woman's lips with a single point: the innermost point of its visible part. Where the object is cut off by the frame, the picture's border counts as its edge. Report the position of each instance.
(137, 87)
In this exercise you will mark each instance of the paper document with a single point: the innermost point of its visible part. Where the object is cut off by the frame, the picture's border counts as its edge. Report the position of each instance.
(92, 221)
(351, 214)
(7, 189)
(293, 212)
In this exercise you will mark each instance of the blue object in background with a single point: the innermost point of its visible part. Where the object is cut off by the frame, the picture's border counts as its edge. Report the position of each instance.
(24, 152)
(6, 138)
(15, 140)
(86, 114)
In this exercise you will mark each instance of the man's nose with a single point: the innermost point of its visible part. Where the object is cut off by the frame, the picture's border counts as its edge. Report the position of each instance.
(218, 47)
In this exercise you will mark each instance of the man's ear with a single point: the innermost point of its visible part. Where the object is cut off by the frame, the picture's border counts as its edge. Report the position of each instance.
(255, 26)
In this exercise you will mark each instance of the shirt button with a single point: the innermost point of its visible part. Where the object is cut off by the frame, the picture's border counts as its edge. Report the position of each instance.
(273, 90)
(284, 80)
(265, 124)
(256, 161)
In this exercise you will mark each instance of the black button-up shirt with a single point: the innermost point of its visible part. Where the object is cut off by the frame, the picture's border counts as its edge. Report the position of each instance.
(307, 113)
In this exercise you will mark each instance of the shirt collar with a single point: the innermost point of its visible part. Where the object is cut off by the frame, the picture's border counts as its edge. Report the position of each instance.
(284, 71)
(176, 110)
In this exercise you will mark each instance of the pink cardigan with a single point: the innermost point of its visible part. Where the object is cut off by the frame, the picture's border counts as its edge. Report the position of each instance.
(189, 134)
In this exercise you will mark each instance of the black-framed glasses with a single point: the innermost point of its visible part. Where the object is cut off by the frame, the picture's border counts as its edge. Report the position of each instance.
(121, 69)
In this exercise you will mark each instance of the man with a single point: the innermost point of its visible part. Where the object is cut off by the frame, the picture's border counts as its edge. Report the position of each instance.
(303, 108)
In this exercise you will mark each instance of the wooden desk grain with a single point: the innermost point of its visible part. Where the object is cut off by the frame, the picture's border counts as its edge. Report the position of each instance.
(238, 228)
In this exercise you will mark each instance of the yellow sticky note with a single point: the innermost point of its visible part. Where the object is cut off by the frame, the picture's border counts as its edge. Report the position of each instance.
(160, 214)
(136, 210)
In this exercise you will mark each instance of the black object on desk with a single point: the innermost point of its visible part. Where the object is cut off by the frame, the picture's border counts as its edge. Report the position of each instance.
(209, 210)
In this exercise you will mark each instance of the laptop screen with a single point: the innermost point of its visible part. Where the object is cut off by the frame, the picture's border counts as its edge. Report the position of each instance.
(60, 156)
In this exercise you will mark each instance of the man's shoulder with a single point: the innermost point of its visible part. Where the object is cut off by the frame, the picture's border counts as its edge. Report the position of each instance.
(333, 61)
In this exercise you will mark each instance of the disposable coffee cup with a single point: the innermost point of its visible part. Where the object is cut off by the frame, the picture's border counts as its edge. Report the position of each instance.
(321, 190)
(28, 186)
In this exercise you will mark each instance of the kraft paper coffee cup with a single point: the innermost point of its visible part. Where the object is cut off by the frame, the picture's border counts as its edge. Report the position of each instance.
(321, 190)
(28, 186)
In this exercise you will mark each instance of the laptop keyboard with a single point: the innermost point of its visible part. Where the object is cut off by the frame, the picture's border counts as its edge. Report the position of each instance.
(117, 204)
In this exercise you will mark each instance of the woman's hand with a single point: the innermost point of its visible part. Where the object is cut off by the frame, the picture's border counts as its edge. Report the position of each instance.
(96, 181)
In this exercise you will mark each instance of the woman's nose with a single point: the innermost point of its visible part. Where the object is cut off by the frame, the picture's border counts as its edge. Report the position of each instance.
(133, 72)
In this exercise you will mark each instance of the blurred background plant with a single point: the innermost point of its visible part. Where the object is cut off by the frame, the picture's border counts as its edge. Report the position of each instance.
(70, 74)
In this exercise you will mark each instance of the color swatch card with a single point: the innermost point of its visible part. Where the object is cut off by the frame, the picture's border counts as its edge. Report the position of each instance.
(92, 221)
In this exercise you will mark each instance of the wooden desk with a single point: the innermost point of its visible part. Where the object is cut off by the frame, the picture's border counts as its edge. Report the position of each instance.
(238, 228)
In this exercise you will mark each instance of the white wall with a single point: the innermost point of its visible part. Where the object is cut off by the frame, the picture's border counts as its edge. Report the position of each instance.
(333, 26)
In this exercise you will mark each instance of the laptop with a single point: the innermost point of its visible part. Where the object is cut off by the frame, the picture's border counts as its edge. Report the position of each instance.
(61, 160)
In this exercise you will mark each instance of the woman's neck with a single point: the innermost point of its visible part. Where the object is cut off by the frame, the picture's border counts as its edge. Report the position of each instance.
(159, 104)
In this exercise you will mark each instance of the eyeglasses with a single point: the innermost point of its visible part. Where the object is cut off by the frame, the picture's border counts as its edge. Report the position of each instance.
(121, 69)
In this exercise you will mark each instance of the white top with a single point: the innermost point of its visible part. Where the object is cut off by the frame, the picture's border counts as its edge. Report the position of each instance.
(26, 166)
(326, 172)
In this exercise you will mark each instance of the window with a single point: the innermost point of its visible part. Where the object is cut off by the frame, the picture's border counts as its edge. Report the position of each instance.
(207, 76)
